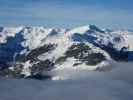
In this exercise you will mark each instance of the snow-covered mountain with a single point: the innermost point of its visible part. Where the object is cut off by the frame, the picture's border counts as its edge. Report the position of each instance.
(34, 51)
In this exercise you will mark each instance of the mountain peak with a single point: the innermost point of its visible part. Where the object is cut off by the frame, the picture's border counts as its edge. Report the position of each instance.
(95, 28)
(84, 29)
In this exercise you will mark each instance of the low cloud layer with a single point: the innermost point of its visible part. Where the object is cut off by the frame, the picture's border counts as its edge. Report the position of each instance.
(116, 84)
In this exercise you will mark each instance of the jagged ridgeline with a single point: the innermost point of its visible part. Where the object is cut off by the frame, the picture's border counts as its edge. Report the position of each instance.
(31, 52)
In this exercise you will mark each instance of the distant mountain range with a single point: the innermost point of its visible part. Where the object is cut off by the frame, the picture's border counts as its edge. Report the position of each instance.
(31, 52)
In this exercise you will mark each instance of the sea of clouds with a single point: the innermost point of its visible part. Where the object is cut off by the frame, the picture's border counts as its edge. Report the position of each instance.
(115, 84)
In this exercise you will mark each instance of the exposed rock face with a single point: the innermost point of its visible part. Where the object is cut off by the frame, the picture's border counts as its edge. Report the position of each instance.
(83, 53)
(33, 54)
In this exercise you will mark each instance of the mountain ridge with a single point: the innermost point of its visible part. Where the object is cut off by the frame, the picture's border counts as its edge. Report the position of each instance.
(29, 51)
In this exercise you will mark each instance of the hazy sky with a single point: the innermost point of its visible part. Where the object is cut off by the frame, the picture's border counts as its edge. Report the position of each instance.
(67, 13)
